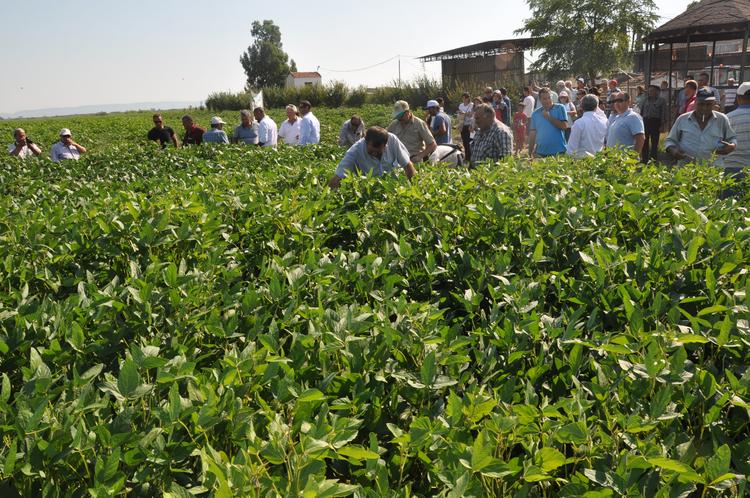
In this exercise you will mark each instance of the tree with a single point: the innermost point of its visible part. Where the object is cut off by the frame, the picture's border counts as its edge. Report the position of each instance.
(265, 62)
(587, 37)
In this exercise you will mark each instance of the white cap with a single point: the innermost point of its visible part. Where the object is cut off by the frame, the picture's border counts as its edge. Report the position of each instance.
(217, 120)
(743, 88)
(431, 103)
(564, 94)
(65, 132)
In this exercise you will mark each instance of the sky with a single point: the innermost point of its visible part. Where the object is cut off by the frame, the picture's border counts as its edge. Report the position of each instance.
(86, 52)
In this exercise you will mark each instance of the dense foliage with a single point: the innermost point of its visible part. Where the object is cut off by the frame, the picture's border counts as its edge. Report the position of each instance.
(216, 322)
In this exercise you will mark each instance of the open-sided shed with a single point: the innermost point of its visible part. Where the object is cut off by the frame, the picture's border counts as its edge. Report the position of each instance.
(488, 62)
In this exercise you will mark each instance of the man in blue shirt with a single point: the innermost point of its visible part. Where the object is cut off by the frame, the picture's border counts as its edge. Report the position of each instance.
(547, 128)
(309, 128)
(377, 154)
(216, 135)
(626, 128)
(441, 125)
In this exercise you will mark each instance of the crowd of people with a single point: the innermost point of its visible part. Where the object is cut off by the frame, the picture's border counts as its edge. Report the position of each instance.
(548, 121)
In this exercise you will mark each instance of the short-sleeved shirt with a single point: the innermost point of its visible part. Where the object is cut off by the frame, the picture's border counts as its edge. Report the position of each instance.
(466, 111)
(394, 156)
(247, 136)
(739, 119)
(268, 134)
(309, 130)
(440, 119)
(700, 144)
(25, 151)
(550, 139)
(349, 136)
(163, 135)
(289, 132)
(494, 143)
(216, 136)
(193, 136)
(414, 135)
(623, 129)
(62, 152)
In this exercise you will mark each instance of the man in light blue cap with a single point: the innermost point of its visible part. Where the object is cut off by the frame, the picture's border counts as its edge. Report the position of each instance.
(441, 125)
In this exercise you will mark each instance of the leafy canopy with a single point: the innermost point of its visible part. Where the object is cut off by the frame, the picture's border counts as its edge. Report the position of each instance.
(588, 37)
(265, 62)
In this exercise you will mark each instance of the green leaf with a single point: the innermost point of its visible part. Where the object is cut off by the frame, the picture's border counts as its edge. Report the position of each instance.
(538, 251)
(481, 452)
(548, 459)
(5, 389)
(129, 378)
(311, 395)
(574, 433)
(693, 247)
(355, 452)
(428, 370)
(10, 459)
(669, 464)
(719, 463)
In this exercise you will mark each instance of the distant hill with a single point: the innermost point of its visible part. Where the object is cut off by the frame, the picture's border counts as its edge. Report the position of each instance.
(93, 109)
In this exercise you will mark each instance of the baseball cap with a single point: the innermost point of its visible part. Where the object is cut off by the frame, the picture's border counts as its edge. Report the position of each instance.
(65, 132)
(217, 120)
(431, 103)
(399, 108)
(581, 80)
(744, 88)
(705, 95)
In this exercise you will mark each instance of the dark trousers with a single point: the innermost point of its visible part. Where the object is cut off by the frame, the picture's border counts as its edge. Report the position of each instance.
(652, 127)
(466, 139)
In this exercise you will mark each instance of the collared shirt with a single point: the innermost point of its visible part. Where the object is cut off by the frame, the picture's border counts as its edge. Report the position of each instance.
(348, 136)
(394, 156)
(439, 119)
(528, 105)
(414, 135)
(654, 108)
(25, 151)
(739, 119)
(62, 152)
(268, 134)
(216, 136)
(730, 96)
(193, 136)
(494, 143)
(550, 139)
(587, 135)
(309, 130)
(247, 136)
(686, 134)
(623, 129)
(289, 132)
(466, 111)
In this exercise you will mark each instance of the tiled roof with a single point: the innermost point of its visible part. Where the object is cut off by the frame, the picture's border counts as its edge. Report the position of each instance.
(309, 74)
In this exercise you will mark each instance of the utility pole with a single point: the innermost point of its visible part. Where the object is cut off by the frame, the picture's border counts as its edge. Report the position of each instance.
(399, 71)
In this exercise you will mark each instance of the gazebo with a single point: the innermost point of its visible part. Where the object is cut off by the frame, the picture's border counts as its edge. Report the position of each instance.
(688, 43)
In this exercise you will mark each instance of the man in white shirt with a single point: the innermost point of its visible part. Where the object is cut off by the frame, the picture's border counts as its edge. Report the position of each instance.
(379, 153)
(267, 130)
(529, 103)
(589, 131)
(66, 148)
(23, 147)
(289, 131)
(309, 128)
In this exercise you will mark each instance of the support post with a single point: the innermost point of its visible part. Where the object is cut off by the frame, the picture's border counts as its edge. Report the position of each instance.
(713, 63)
(687, 57)
(671, 96)
(743, 58)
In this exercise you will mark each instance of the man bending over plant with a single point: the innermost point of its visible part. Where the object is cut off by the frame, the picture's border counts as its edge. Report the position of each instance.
(379, 153)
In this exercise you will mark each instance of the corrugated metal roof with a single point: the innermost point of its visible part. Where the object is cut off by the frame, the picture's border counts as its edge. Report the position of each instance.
(483, 49)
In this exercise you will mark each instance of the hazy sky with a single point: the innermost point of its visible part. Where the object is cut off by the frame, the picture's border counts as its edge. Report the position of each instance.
(82, 52)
